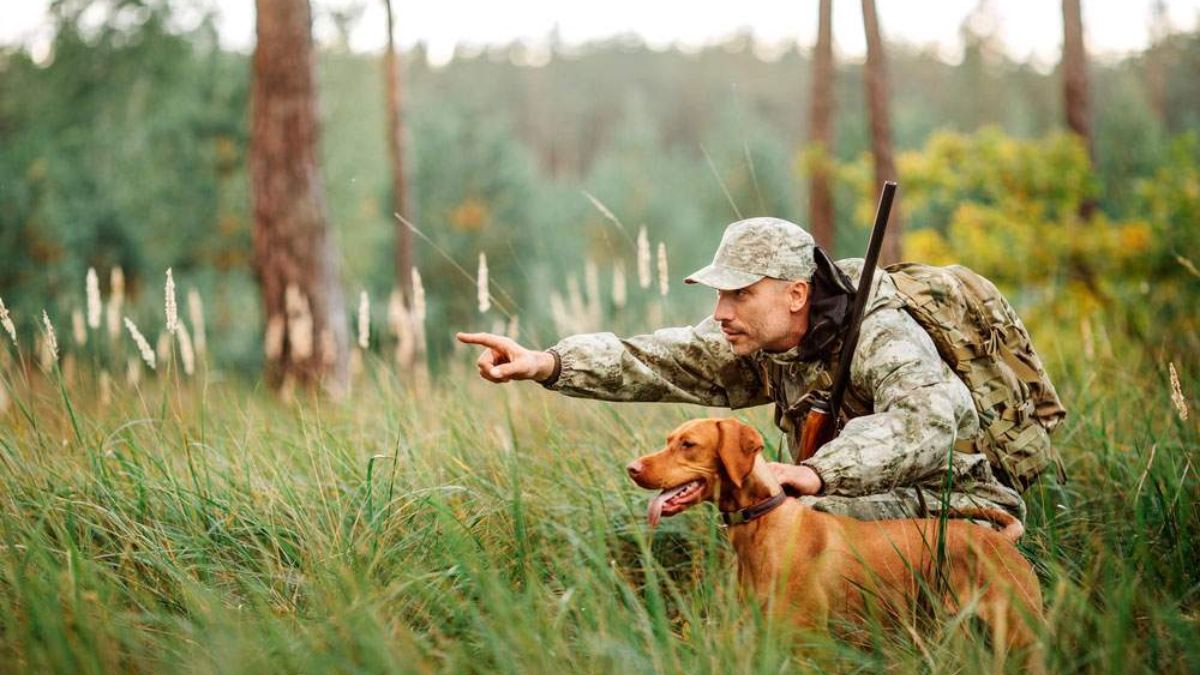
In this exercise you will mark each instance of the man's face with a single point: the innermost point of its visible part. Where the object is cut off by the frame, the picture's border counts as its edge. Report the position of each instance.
(770, 314)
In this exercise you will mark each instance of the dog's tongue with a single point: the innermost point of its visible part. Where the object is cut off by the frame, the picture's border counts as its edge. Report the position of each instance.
(654, 514)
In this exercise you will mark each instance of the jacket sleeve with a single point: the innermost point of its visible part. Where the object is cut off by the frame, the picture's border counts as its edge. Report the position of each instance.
(692, 364)
(920, 409)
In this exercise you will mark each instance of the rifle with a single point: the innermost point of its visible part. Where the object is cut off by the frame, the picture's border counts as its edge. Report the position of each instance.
(821, 424)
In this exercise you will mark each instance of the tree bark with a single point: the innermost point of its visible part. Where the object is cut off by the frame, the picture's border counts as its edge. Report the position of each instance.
(294, 254)
(820, 200)
(396, 147)
(876, 80)
(1075, 87)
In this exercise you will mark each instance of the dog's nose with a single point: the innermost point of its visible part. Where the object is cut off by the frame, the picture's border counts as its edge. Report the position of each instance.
(634, 468)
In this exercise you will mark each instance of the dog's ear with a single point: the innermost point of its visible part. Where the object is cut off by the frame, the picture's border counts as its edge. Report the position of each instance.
(739, 444)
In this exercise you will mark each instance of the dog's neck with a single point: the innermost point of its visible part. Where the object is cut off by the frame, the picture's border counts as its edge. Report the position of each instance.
(758, 485)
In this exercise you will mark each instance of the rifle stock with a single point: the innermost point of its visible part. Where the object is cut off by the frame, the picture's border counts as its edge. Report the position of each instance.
(819, 429)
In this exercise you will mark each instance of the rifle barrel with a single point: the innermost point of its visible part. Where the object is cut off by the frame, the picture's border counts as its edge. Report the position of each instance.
(866, 279)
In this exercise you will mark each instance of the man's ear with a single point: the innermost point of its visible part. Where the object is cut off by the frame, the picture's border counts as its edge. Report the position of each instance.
(738, 445)
(799, 295)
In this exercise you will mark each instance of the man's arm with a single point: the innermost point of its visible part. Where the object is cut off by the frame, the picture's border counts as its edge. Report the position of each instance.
(921, 408)
(691, 364)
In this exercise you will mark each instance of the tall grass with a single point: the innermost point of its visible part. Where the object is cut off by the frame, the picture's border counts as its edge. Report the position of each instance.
(200, 525)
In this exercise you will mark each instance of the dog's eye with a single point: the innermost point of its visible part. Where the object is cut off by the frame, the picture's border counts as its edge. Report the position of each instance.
(687, 444)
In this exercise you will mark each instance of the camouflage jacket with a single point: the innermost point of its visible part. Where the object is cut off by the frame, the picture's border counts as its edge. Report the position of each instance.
(904, 410)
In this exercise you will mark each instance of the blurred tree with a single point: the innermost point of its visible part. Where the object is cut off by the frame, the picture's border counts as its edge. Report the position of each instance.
(820, 196)
(396, 154)
(294, 256)
(1075, 84)
(879, 113)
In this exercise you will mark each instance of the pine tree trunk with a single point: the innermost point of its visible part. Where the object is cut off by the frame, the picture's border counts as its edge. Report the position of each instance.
(293, 249)
(820, 200)
(395, 135)
(876, 80)
(1075, 85)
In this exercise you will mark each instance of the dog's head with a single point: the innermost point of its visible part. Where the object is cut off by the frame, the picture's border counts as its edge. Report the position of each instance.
(703, 458)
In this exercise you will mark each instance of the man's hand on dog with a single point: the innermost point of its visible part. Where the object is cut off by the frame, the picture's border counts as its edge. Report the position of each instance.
(796, 479)
(504, 360)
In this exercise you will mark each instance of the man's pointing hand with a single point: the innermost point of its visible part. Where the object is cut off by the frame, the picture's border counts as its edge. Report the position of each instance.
(504, 360)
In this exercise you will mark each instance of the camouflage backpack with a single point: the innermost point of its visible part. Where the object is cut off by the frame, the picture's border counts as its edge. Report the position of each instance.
(980, 336)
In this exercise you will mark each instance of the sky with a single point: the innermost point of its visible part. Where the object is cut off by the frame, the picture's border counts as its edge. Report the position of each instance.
(1030, 30)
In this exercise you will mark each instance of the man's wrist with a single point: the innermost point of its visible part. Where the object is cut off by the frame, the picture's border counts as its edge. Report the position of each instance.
(552, 368)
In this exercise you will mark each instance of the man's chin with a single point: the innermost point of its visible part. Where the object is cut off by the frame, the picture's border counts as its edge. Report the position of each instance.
(741, 346)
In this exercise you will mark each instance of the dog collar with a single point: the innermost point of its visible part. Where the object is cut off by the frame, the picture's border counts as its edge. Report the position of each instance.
(755, 511)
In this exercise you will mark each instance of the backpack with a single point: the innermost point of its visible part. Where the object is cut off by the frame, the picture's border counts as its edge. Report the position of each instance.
(980, 336)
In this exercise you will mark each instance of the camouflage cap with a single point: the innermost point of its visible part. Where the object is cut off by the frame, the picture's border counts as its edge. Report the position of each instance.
(755, 248)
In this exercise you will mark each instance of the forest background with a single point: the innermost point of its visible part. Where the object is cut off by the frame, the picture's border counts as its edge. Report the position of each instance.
(129, 148)
(181, 517)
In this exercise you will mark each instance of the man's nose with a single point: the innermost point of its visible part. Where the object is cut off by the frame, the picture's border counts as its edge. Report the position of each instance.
(722, 312)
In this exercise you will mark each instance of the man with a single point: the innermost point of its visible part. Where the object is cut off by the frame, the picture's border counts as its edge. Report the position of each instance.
(773, 337)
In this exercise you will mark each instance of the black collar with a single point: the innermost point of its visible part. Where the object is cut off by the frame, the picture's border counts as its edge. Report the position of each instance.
(755, 511)
(832, 293)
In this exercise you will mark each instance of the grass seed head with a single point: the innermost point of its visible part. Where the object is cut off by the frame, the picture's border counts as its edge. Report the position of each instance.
(78, 327)
(186, 352)
(51, 343)
(94, 308)
(1177, 394)
(116, 298)
(364, 320)
(196, 316)
(663, 276)
(142, 345)
(7, 322)
(481, 285)
(172, 310)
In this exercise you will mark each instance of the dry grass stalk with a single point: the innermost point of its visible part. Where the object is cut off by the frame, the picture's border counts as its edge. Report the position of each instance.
(3, 400)
(162, 346)
(116, 298)
(401, 322)
(481, 285)
(186, 353)
(78, 327)
(51, 341)
(364, 320)
(273, 339)
(133, 370)
(418, 311)
(1177, 394)
(105, 388)
(94, 308)
(643, 258)
(1089, 343)
(196, 316)
(299, 324)
(7, 322)
(514, 327)
(618, 282)
(142, 345)
(172, 309)
(664, 279)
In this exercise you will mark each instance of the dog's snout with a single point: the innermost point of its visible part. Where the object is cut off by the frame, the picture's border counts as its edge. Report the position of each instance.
(635, 468)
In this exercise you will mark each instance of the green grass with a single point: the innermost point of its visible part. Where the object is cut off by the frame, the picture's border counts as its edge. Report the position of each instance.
(207, 527)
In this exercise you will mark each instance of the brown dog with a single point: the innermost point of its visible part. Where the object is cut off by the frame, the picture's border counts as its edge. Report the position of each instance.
(813, 566)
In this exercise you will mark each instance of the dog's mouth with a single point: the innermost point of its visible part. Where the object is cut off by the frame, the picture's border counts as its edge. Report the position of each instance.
(673, 500)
